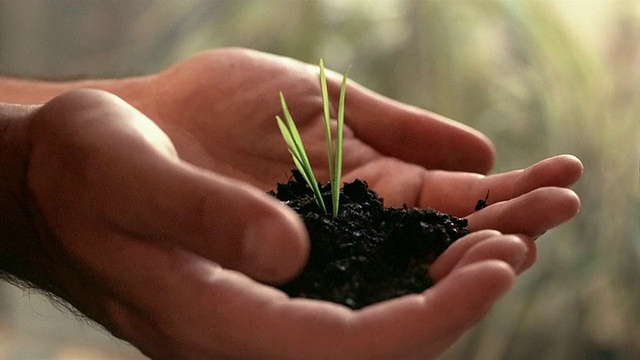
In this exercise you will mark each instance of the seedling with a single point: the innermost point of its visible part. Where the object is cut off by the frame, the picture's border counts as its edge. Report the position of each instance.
(296, 148)
(379, 253)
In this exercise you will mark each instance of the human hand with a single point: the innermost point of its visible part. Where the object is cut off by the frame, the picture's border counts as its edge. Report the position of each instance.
(159, 284)
(409, 156)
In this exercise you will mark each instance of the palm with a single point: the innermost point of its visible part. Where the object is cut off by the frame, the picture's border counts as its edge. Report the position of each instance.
(239, 137)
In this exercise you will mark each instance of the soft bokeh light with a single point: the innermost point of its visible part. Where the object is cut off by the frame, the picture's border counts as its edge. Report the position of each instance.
(540, 78)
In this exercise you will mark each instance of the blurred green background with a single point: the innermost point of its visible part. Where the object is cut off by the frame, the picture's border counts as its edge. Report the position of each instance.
(540, 78)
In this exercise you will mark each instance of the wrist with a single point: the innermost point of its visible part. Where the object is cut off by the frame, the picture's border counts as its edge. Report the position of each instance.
(22, 255)
(24, 91)
(30, 92)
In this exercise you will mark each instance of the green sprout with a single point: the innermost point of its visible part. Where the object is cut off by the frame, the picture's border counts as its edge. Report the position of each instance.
(294, 142)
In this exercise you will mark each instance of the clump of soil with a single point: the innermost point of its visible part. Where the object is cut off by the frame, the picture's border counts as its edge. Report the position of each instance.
(369, 253)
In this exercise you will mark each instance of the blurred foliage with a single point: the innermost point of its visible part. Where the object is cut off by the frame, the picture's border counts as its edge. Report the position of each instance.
(540, 78)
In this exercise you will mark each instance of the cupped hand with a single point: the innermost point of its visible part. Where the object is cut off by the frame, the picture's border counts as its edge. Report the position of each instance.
(169, 236)
(219, 109)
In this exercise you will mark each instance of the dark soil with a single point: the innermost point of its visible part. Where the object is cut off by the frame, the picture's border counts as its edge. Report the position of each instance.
(369, 253)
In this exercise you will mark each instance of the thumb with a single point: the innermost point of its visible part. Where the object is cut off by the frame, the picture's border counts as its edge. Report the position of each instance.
(224, 220)
(102, 170)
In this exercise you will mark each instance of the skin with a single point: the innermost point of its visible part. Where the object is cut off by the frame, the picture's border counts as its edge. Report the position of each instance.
(141, 202)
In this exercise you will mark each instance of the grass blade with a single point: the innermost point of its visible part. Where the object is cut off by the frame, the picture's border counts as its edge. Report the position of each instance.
(294, 142)
(337, 172)
(327, 121)
(296, 148)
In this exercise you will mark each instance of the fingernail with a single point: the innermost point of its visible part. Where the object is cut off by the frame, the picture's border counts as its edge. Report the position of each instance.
(519, 257)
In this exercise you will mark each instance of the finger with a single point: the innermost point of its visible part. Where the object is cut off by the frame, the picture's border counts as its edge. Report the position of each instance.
(457, 193)
(412, 134)
(517, 251)
(559, 171)
(216, 217)
(427, 324)
(512, 249)
(225, 221)
(531, 214)
(173, 304)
